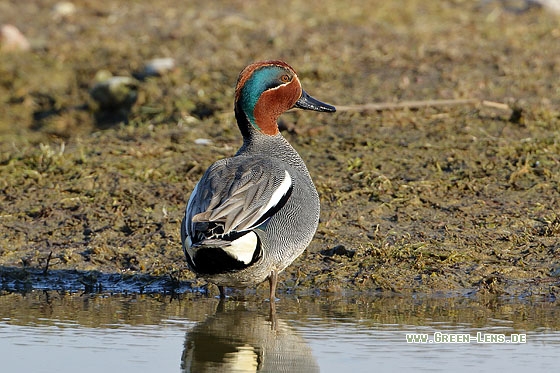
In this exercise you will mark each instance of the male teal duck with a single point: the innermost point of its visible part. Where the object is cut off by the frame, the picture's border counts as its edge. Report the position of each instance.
(252, 215)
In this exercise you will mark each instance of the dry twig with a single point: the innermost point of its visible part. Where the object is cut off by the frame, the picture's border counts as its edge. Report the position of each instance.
(419, 104)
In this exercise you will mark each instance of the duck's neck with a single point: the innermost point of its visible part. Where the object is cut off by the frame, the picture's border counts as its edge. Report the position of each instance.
(253, 137)
(244, 124)
(263, 119)
(255, 142)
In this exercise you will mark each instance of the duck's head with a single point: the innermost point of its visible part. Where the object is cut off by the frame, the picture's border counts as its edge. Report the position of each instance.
(267, 89)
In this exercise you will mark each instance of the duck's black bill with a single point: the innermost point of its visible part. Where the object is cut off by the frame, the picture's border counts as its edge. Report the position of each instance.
(309, 103)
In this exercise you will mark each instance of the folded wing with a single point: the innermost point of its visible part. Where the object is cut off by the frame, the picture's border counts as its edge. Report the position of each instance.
(235, 196)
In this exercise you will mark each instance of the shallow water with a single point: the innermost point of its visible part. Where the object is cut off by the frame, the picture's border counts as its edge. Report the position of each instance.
(62, 332)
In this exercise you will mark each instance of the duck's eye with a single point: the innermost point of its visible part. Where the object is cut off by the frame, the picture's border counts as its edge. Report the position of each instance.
(285, 78)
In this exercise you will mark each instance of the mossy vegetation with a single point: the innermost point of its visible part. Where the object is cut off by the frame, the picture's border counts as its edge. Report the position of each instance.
(458, 199)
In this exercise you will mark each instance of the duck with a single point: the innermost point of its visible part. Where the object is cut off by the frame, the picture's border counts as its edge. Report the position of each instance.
(251, 215)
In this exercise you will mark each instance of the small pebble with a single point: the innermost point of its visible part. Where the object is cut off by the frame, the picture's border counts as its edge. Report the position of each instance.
(63, 9)
(159, 66)
(11, 39)
(551, 5)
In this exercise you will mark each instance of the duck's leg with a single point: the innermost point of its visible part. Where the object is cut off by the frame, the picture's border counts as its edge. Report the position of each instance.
(221, 306)
(273, 281)
(222, 292)
(273, 318)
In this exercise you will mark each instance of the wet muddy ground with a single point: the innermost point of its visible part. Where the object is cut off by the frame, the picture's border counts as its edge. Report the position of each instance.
(457, 199)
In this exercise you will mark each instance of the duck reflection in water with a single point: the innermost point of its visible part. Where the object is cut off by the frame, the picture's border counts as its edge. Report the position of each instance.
(236, 339)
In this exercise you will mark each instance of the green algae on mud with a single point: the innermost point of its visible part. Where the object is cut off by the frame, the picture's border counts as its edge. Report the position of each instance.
(458, 200)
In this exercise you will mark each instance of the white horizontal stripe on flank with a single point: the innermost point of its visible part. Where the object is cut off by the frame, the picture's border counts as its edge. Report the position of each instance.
(275, 198)
(278, 193)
